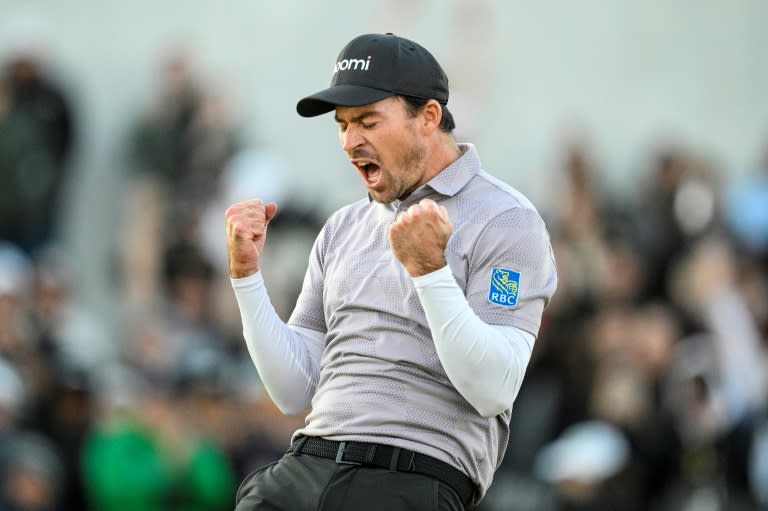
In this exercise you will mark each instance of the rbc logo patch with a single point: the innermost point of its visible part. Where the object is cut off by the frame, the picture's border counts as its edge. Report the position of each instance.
(505, 284)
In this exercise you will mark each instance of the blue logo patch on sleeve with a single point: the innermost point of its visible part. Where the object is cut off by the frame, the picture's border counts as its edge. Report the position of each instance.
(505, 285)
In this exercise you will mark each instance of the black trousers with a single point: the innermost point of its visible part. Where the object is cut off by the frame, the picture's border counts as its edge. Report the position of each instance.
(308, 483)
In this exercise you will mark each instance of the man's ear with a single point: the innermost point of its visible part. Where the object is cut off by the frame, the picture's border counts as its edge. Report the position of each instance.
(431, 114)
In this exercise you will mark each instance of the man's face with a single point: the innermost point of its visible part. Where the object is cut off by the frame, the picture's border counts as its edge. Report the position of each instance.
(383, 143)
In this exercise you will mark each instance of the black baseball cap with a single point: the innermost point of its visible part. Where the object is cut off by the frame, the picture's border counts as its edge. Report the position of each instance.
(373, 67)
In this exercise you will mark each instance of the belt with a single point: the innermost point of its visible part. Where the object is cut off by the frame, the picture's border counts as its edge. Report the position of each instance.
(386, 456)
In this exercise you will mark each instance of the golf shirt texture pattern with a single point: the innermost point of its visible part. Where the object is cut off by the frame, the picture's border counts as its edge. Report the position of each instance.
(381, 380)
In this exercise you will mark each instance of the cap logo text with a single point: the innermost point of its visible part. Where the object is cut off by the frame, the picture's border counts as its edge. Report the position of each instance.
(356, 64)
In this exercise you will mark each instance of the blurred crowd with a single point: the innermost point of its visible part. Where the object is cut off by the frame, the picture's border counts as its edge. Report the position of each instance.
(648, 386)
(646, 391)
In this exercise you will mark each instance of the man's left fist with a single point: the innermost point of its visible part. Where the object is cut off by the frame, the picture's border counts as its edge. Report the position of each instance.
(419, 235)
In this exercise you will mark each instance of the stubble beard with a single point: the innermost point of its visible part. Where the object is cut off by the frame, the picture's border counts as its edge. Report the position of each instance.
(410, 168)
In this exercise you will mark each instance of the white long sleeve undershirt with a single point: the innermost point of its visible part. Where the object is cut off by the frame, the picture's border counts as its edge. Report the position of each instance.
(486, 363)
(287, 357)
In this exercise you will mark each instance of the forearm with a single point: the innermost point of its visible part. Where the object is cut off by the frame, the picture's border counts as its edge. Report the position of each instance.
(486, 363)
(287, 358)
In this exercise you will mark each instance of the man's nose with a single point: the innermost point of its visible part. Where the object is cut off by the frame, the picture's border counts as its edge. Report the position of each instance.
(351, 138)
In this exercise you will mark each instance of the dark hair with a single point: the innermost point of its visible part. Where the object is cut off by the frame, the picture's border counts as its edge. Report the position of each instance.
(413, 105)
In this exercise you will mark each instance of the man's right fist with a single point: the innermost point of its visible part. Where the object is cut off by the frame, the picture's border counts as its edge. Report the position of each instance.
(246, 232)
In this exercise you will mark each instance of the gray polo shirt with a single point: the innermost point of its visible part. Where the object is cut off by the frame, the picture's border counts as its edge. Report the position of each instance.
(380, 377)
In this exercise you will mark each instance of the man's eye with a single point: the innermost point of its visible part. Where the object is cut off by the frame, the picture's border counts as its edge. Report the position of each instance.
(342, 128)
(368, 125)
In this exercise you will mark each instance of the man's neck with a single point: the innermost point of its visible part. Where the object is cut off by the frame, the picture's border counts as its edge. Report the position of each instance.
(445, 152)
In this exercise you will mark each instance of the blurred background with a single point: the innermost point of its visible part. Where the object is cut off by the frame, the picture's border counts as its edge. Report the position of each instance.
(639, 129)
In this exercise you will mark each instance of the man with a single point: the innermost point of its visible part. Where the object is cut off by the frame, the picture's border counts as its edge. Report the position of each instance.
(418, 312)
(37, 136)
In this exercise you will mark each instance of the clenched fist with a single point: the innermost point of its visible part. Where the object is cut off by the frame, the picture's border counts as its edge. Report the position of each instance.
(419, 235)
(246, 232)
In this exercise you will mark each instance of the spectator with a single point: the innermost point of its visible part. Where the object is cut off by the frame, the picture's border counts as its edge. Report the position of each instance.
(37, 137)
(177, 151)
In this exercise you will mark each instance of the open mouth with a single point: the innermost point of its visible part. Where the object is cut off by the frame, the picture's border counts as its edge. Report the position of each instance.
(369, 171)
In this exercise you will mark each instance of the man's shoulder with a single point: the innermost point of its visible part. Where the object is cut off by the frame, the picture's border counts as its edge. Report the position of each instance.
(497, 195)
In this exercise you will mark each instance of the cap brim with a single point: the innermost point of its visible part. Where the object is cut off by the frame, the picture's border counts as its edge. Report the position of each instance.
(339, 95)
